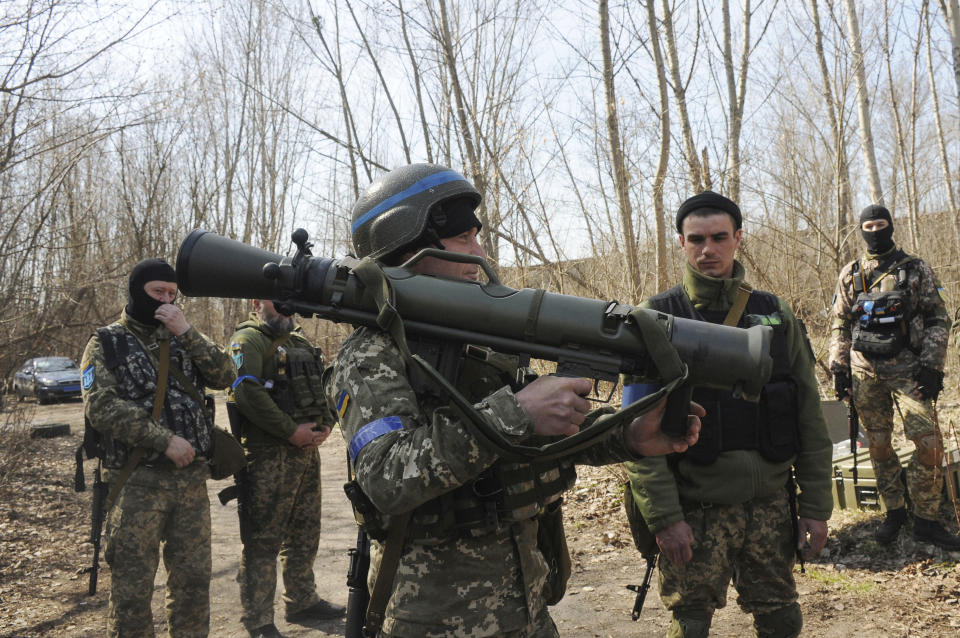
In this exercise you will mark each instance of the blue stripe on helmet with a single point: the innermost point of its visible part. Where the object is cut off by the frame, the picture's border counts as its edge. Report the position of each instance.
(371, 431)
(424, 184)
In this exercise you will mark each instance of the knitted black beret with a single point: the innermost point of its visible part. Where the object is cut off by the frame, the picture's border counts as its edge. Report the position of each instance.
(709, 199)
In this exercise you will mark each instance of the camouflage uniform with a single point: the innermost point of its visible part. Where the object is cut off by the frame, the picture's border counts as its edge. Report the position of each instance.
(158, 506)
(282, 508)
(881, 383)
(736, 504)
(453, 578)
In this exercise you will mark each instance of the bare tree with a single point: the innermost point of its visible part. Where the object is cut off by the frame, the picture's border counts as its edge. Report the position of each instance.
(620, 175)
(863, 104)
(664, 156)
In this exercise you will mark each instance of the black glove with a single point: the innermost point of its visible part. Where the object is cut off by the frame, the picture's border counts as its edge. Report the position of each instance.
(842, 384)
(929, 382)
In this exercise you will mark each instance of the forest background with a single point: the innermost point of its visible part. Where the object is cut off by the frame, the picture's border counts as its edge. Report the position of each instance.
(124, 125)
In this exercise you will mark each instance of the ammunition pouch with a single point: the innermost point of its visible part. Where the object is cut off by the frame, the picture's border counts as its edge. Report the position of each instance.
(552, 543)
(881, 323)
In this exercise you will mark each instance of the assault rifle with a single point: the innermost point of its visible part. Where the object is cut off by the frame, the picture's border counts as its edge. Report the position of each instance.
(853, 425)
(96, 526)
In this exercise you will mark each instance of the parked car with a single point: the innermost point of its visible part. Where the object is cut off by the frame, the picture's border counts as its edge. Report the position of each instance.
(48, 379)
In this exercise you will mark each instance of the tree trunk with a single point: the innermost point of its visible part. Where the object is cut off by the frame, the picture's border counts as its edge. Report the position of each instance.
(664, 156)
(863, 105)
(620, 176)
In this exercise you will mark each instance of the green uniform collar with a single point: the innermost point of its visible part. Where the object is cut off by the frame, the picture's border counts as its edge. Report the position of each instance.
(254, 321)
(710, 293)
(880, 256)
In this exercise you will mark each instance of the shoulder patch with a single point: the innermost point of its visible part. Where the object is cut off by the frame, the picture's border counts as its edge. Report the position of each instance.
(943, 294)
(86, 377)
(236, 350)
(343, 400)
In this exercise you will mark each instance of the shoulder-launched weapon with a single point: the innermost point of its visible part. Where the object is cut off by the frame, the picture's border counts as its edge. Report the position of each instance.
(585, 337)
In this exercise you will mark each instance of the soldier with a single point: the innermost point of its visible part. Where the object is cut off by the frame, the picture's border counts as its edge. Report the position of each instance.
(278, 406)
(468, 561)
(726, 508)
(157, 444)
(887, 349)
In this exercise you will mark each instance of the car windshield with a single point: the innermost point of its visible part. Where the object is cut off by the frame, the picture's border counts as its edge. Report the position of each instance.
(54, 365)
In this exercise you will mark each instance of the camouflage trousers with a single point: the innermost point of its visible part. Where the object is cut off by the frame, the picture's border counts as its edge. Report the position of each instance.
(284, 520)
(542, 627)
(752, 543)
(158, 507)
(876, 400)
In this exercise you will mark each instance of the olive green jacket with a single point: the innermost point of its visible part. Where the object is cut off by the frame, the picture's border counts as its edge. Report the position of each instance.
(738, 476)
(265, 424)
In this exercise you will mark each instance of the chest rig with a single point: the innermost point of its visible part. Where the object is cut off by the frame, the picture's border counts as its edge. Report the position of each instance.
(770, 426)
(881, 316)
(136, 375)
(297, 386)
(505, 492)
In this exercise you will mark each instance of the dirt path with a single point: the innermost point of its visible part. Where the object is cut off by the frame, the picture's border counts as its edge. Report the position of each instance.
(855, 588)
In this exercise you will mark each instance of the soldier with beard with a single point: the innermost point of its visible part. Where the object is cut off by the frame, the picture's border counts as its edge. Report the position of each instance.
(283, 418)
(155, 446)
(887, 350)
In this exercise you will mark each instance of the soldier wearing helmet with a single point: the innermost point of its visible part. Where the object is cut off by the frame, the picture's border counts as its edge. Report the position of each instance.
(481, 551)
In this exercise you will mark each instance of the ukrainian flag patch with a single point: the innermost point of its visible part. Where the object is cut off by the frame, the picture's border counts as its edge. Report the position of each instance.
(943, 294)
(343, 400)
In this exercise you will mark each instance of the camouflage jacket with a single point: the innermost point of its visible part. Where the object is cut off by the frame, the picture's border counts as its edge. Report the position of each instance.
(265, 423)
(110, 402)
(741, 475)
(464, 586)
(929, 325)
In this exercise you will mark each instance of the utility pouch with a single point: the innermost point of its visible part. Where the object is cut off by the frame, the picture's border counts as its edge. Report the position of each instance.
(880, 323)
(552, 543)
(643, 539)
(779, 429)
(228, 455)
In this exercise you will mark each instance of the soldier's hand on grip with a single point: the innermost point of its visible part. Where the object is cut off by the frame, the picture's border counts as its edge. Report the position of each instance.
(556, 404)
(644, 435)
(928, 384)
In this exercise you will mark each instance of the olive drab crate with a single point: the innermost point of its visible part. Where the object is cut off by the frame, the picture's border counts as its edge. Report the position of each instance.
(865, 496)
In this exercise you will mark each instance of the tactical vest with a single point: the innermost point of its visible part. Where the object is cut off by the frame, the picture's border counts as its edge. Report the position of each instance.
(881, 318)
(297, 386)
(137, 383)
(770, 426)
(505, 492)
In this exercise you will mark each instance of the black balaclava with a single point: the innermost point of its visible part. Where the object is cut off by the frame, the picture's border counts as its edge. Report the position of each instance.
(878, 241)
(140, 305)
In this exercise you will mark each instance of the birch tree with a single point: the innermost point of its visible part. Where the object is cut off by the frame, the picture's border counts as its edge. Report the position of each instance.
(863, 104)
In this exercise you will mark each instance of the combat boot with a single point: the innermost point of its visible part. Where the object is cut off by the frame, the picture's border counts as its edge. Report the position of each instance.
(267, 631)
(890, 527)
(927, 531)
(320, 610)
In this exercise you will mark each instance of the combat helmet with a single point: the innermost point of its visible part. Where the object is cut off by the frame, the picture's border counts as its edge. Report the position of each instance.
(403, 210)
